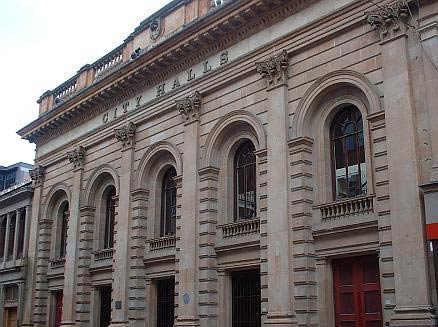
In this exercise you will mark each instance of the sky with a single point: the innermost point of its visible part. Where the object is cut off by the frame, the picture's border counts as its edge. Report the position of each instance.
(45, 42)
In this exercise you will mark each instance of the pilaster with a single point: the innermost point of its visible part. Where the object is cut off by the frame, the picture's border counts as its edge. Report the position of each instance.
(412, 307)
(17, 221)
(37, 176)
(121, 264)
(77, 159)
(188, 295)
(279, 256)
(7, 236)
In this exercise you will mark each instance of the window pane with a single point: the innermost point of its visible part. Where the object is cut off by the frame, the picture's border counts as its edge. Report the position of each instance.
(168, 203)
(245, 181)
(372, 302)
(346, 301)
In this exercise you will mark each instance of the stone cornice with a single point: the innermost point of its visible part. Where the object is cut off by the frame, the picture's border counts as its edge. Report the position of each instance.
(37, 175)
(274, 69)
(126, 134)
(209, 35)
(189, 107)
(389, 19)
(77, 157)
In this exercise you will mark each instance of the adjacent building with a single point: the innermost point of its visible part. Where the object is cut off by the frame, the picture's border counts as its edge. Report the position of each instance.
(14, 174)
(241, 163)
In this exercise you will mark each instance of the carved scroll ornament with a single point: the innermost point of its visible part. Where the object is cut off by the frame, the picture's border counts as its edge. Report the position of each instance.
(126, 134)
(274, 69)
(189, 107)
(77, 157)
(389, 19)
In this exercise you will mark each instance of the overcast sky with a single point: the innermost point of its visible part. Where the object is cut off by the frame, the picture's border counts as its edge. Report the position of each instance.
(45, 42)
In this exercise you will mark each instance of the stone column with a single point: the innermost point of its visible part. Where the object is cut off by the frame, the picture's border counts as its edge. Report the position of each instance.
(120, 292)
(27, 222)
(280, 283)
(2, 302)
(3, 232)
(413, 306)
(188, 297)
(21, 288)
(8, 229)
(137, 273)
(77, 159)
(15, 236)
(37, 176)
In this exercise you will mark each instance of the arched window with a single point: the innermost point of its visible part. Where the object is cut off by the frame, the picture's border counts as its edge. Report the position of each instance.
(110, 212)
(168, 203)
(245, 182)
(348, 154)
(63, 216)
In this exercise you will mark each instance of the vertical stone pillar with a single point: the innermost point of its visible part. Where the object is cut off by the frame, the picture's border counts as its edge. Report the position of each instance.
(8, 230)
(121, 263)
(410, 263)
(21, 288)
(35, 304)
(3, 232)
(325, 292)
(188, 297)
(15, 236)
(280, 283)
(224, 295)
(77, 159)
(137, 272)
(208, 276)
(27, 223)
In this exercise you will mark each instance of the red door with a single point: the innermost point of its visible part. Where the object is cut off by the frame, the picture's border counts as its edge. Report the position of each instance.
(58, 308)
(357, 292)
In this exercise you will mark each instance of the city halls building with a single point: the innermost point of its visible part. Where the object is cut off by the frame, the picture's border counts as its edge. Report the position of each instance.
(241, 163)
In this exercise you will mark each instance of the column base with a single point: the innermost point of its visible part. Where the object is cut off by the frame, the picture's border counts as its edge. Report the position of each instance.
(186, 321)
(279, 319)
(414, 316)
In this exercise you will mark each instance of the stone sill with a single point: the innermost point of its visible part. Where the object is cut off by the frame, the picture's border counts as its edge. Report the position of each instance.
(12, 265)
(347, 224)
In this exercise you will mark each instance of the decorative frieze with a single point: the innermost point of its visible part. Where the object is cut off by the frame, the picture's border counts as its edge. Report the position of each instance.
(126, 134)
(37, 174)
(189, 107)
(274, 69)
(389, 19)
(77, 157)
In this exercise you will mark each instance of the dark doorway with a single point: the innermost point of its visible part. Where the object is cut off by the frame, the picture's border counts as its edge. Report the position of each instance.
(105, 306)
(357, 292)
(165, 302)
(58, 308)
(246, 298)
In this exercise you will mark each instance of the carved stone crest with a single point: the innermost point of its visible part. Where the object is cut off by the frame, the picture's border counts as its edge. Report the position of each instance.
(189, 107)
(37, 174)
(126, 134)
(389, 19)
(156, 28)
(77, 157)
(274, 69)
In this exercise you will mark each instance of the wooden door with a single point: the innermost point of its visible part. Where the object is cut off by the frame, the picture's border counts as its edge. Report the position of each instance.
(357, 294)
(58, 308)
(11, 317)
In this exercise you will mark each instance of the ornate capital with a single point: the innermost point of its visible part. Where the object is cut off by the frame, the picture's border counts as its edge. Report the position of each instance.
(77, 157)
(389, 19)
(37, 175)
(189, 107)
(274, 69)
(126, 134)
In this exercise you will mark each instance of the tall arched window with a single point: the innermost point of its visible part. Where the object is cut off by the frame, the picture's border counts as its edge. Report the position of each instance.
(63, 216)
(348, 154)
(168, 203)
(245, 182)
(110, 212)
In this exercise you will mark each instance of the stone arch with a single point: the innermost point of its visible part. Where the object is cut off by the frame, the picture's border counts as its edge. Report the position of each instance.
(337, 84)
(152, 156)
(102, 174)
(241, 120)
(57, 194)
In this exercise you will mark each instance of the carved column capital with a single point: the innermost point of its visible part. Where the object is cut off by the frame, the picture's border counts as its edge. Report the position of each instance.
(77, 157)
(389, 19)
(189, 107)
(274, 69)
(37, 175)
(126, 134)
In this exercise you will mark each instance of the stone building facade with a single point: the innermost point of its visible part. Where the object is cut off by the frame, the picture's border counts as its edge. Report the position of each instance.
(15, 216)
(241, 163)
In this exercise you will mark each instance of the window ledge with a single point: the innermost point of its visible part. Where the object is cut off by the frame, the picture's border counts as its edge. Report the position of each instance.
(360, 205)
(161, 243)
(57, 262)
(103, 255)
(12, 265)
(240, 228)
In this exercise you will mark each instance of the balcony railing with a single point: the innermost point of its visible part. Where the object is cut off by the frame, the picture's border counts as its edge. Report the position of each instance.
(345, 208)
(108, 64)
(58, 262)
(241, 227)
(66, 90)
(106, 254)
(162, 243)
